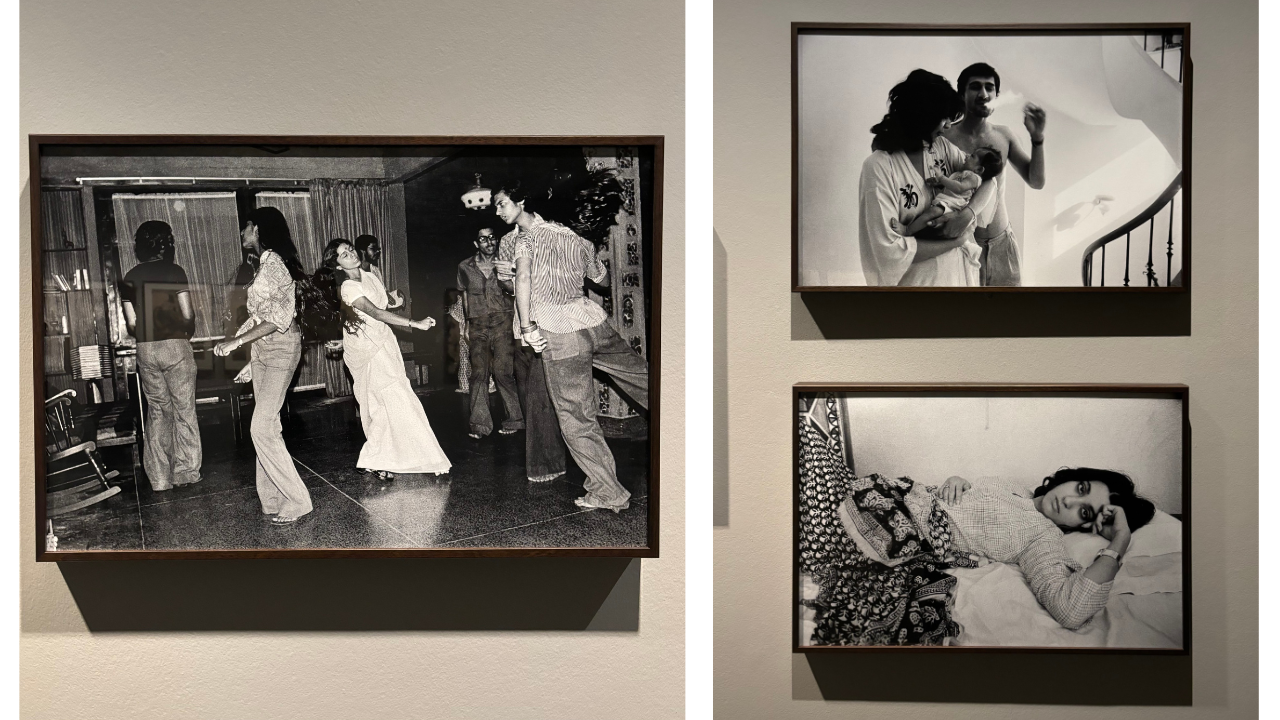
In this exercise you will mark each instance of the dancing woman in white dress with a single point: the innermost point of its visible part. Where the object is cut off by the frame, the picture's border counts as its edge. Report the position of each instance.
(398, 437)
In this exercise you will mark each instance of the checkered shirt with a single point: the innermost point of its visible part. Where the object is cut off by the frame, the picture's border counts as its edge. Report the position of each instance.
(1003, 525)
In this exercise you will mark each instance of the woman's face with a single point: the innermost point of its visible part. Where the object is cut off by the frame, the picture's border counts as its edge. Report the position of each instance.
(348, 259)
(249, 237)
(1075, 504)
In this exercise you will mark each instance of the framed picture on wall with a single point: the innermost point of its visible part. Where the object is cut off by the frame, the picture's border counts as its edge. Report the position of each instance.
(323, 346)
(992, 518)
(991, 158)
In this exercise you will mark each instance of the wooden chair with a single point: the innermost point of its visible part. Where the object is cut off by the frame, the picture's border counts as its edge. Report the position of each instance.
(74, 474)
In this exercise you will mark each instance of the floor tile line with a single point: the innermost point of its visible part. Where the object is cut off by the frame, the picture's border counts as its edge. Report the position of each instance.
(515, 527)
(361, 505)
(173, 499)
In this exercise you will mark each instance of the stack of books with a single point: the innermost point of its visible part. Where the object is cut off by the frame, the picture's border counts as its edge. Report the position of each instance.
(91, 361)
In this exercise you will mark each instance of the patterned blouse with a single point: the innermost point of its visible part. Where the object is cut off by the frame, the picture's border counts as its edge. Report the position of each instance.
(271, 294)
(1003, 524)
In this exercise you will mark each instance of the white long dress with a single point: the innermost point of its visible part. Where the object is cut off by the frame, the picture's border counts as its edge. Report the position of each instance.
(891, 188)
(398, 437)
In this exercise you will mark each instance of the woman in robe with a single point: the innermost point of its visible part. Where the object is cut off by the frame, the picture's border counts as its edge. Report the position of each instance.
(398, 436)
(908, 149)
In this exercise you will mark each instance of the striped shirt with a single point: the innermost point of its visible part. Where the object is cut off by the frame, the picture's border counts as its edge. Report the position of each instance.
(1003, 524)
(559, 262)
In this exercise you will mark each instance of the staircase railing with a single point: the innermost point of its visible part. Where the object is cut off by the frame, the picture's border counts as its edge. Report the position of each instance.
(1165, 41)
(1146, 217)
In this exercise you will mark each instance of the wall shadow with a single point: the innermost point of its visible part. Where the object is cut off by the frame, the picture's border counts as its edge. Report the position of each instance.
(869, 315)
(595, 594)
(965, 677)
(720, 382)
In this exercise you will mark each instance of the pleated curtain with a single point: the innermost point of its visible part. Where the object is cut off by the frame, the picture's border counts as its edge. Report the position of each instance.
(206, 232)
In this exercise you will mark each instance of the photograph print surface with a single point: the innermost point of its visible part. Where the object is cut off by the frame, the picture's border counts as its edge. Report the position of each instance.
(991, 518)
(1050, 158)
(396, 346)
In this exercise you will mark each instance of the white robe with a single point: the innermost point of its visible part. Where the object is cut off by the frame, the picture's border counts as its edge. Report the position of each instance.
(398, 436)
(890, 187)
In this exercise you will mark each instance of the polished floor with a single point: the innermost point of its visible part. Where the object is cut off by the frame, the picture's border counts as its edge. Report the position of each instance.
(484, 501)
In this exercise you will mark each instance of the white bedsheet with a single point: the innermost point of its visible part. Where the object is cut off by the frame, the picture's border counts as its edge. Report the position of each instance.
(995, 606)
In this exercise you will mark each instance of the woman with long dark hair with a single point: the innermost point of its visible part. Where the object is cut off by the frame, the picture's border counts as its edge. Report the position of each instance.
(908, 152)
(281, 303)
(398, 436)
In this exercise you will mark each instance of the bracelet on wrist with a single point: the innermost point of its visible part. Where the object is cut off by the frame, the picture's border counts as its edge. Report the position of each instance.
(1037, 143)
(526, 329)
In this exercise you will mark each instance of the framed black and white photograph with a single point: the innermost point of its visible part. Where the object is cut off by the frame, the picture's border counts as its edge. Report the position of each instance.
(1048, 157)
(992, 517)
(346, 346)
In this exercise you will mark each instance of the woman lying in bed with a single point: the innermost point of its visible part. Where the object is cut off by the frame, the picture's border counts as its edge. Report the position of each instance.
(1026, 529)
(879, 548)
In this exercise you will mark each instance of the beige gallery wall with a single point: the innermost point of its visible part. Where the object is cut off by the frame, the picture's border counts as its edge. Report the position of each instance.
(366, 68)
(771, 341)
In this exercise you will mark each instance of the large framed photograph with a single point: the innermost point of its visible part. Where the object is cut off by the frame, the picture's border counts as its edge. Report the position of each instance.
(992, 517)
(1045, 157)
(346, 346)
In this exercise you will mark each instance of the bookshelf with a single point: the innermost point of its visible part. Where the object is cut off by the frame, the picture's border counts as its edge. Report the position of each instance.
(74, 295)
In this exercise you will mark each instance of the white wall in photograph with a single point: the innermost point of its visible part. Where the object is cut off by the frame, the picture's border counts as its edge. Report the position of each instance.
(1112, 142)
(1022, 439)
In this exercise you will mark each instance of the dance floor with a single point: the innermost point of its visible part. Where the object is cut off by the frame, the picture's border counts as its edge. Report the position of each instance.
(484, 501)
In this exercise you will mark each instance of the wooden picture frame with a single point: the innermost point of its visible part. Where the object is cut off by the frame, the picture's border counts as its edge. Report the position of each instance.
(639, 223)
(1116, 306)
(846, 442)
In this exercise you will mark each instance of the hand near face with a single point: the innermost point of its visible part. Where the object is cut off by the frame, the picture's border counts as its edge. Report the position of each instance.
(1111, 524)
(1033, 118)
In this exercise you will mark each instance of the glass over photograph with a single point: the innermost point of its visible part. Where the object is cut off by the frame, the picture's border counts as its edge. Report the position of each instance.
(930, 157)
(991, 518)
(294, 345)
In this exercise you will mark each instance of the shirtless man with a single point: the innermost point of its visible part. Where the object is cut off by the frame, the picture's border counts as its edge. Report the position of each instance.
(979, 84)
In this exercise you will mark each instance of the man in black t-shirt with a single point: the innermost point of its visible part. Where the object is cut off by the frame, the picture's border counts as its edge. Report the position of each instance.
(156, 299)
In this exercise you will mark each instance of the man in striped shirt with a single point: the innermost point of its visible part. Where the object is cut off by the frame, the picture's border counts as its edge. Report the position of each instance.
(572, 333)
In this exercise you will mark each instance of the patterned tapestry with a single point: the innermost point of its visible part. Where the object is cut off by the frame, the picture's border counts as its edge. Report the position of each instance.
(622, 254)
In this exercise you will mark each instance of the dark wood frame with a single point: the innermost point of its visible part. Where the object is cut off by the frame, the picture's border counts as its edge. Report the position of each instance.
(36, 310)
(1180, 392)
(818, 28)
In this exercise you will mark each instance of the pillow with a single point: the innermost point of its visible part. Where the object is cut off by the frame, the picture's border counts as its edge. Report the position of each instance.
(1161, 536)
(1083, 547)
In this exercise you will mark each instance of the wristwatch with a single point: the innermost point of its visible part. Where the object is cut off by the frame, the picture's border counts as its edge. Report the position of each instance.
(1109, 553)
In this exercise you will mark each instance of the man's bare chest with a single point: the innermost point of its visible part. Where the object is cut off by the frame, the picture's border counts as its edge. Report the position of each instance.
(990, 138)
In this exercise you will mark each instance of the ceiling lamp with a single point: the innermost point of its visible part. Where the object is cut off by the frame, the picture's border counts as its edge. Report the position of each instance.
(478, 197)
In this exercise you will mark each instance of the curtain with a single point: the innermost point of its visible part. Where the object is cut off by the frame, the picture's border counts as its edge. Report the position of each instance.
(623, 255)
(351, 208)
(206, 231)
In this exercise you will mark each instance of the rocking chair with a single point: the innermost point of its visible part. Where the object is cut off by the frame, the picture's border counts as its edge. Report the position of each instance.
(68, 486)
